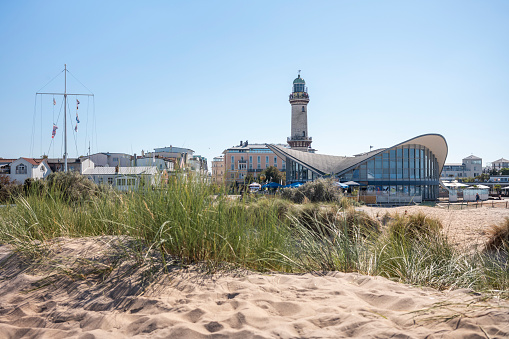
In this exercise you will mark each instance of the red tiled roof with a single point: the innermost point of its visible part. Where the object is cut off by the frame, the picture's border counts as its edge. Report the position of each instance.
(5, 161)
(33, 161)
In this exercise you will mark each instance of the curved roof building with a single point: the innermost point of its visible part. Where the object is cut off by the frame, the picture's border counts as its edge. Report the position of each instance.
(403, 173)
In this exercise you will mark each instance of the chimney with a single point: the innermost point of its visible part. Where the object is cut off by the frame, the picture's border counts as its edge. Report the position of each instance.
(240, 143)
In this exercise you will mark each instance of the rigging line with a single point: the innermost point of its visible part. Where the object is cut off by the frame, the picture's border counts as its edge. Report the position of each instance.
(49, 148)
(74, 133)
(56, 123)
(32, 141)
(95, 125)
(50, 81)
(79, 81)
(41, 126)
(86, 126)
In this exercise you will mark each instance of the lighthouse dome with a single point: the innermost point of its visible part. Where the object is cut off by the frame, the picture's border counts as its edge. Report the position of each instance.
(299, 80)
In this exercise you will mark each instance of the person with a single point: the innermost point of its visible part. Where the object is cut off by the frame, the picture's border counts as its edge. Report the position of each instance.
(477, 197)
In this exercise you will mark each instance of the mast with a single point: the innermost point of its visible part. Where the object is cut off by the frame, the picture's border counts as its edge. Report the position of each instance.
(65, 118)
(65, 94)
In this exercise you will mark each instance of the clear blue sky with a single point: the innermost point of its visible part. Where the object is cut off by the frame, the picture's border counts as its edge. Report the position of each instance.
(207, 74)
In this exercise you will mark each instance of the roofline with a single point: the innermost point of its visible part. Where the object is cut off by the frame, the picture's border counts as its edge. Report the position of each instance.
(283, 154)
(441, 160)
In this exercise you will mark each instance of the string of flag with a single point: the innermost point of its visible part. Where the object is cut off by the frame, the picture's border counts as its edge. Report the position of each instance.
(77, 118)
(55, 127)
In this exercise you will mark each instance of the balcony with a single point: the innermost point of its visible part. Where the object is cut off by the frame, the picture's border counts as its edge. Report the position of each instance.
(298, 137)
(299, 95)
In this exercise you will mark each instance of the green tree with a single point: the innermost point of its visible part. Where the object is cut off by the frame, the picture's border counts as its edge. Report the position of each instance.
(249, 179)
(504, 171)
(272, 174)
(483, 177)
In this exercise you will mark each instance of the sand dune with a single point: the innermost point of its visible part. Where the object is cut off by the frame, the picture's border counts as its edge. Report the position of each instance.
(76, 294)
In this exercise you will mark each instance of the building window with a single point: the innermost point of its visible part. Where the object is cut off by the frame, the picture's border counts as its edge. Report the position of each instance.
(100, 180)
(110, 180)
(303, 109)
(267, 160)
(275, 161)
(21, 169)
(259, 159)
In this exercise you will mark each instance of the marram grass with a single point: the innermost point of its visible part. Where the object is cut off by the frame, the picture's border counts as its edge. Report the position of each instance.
(188, 220)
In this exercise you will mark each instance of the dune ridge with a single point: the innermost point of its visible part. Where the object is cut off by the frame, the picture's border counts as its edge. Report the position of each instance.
(84, 291)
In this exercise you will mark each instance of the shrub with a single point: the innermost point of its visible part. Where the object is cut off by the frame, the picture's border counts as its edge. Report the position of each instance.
(499, 236)
(320, 190)
(8, 189)
(414, 226)
(73, 186)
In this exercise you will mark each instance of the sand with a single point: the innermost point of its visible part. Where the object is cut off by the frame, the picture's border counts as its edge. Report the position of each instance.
(467, 228)
(84, 291)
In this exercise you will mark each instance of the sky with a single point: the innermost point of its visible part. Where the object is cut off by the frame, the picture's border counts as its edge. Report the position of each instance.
(206, 75)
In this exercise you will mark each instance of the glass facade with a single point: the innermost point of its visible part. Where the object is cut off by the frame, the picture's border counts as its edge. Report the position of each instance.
(410, 170)
(403, 171)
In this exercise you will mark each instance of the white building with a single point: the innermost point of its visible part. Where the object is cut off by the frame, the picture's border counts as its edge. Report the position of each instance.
(471, 166)
(23, 168)
(500, 163)
(107, 159)
(124, 178)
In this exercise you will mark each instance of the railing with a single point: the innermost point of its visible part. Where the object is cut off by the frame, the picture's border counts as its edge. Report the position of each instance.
(299, 138)
(303, 95)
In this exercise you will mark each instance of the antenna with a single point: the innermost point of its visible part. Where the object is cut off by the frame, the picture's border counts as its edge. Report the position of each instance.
(299, 72)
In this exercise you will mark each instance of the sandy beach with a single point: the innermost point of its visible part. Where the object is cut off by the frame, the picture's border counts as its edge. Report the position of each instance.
(84, 291)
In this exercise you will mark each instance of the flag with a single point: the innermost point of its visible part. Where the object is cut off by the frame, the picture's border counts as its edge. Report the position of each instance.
(77, 103)
(77, 119)
(76, 128)
(54, 101)
(54, 131)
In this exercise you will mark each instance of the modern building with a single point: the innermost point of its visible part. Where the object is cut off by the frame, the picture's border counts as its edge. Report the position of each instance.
(471, 166)
(500, 163)
(106, 159)
(299, 99)
(244, 159)
(404, 173)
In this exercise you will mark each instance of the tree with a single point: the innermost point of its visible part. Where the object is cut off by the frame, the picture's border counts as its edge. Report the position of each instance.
(249, 179)
(272, 174)
(483, 177)
(504, 171)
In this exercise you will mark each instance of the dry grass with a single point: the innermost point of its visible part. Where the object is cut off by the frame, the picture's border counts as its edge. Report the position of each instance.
(499, 236)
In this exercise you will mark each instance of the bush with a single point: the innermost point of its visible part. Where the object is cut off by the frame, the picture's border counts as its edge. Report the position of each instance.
(8, 189)
(414, 226)
(73, 186)
(499, 236)
(320, 190)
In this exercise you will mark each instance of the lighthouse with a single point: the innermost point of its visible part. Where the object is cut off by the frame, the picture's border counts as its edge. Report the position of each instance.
(299, 98)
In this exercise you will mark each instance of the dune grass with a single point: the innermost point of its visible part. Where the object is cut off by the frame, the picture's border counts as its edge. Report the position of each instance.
(187, 220)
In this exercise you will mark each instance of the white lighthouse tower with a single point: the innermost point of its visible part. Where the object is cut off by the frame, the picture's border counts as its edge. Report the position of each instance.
(299, 139)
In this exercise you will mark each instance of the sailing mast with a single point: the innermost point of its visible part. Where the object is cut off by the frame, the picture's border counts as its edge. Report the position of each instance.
(65, 118)
(65, 94)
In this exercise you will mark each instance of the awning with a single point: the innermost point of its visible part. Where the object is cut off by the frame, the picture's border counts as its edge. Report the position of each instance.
(454, 184)
(351, 183)
(271, 185)
(341, 185)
